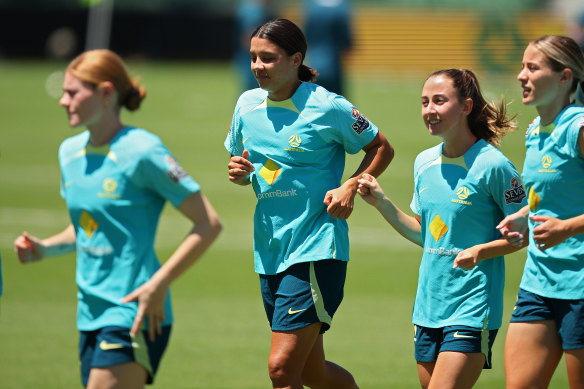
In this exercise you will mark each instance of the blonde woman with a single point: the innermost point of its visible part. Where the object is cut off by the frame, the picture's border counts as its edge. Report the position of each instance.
(116, 179)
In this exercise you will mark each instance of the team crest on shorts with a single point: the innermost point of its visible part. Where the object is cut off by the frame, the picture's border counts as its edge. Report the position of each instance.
(361, 122)
(516, 194)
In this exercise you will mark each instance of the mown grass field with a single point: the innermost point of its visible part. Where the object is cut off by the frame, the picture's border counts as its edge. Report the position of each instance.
(221, 336)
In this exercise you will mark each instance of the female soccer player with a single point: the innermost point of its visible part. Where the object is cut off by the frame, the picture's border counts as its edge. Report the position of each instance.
(115, 181)
(462, 187)
(288, 138)
(549, 314)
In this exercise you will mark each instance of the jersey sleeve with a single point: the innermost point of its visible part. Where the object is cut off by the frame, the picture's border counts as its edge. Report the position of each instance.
(160, 172)
(350, 127)
(573, 133)
(234, 140)
(415, 204)
(506, 187)
(62, 157)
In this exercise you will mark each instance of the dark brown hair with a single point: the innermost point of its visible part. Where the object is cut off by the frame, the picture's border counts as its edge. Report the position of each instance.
(290, 38)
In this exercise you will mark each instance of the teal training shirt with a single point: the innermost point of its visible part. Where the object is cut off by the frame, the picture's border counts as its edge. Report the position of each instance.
(460, 201)
(553, 174)
(297, 147)
(115, 195)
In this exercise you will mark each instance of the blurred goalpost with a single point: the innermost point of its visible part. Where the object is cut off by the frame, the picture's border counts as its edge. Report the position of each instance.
(99, 24)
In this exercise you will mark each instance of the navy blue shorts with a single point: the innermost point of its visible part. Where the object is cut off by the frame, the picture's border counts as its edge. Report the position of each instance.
(429, 342)
(111, 346)
(304, 294)
(567, 314)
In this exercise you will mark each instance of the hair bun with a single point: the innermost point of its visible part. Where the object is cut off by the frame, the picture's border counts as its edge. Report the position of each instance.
(134, 98)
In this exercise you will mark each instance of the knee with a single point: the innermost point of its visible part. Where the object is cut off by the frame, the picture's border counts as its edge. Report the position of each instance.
(280, 370)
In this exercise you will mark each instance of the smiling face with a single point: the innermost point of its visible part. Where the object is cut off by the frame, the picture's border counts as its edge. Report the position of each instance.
(83, 102)
(275, 71)
(541, 85)
(443, 113)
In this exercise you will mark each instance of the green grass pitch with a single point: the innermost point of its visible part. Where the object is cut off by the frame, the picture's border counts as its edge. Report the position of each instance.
(221, 337)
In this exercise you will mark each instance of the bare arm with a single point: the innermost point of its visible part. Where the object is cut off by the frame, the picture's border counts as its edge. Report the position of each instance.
(407, 226)
(469, 258)
(31, 249)
(549, 231)
(378, 155)
(151, 295)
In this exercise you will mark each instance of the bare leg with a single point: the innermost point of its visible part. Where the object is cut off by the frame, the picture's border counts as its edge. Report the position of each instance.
(288, 354)
(321, 374)
(575, 366)
(456, 370)
(425, 370)
(298, 355)
(532, 353)
(129, 375)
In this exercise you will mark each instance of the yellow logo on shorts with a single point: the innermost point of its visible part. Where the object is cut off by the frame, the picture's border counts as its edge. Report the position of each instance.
(291, 312)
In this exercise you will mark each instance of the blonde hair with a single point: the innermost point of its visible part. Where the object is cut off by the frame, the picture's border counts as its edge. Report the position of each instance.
(563, 52)
(97, 66)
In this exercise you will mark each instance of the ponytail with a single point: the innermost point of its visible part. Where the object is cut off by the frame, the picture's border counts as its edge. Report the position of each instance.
(306, 73)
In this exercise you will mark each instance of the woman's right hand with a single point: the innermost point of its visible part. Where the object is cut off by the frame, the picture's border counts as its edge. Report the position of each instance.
(28, 248)
(240, 168)
(369, 189)
(515, 227)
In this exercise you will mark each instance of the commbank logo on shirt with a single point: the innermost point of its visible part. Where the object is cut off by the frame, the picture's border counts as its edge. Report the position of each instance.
(270, 171)
(88, 223)
(438, 228)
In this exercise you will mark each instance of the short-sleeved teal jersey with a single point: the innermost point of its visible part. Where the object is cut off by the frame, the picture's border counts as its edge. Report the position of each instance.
(553, 174)
(297, 147)
(460, 201)
(115, 194)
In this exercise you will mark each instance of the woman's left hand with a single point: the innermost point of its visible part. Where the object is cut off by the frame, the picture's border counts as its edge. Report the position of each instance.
(549, 231)
(151, 297)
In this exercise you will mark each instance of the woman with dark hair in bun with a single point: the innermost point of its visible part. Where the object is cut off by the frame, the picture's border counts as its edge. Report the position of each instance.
(115, 180)
(289, 138)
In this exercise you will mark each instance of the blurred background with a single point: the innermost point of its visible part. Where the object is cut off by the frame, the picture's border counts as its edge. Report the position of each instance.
(192, 57)
(388, 36)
